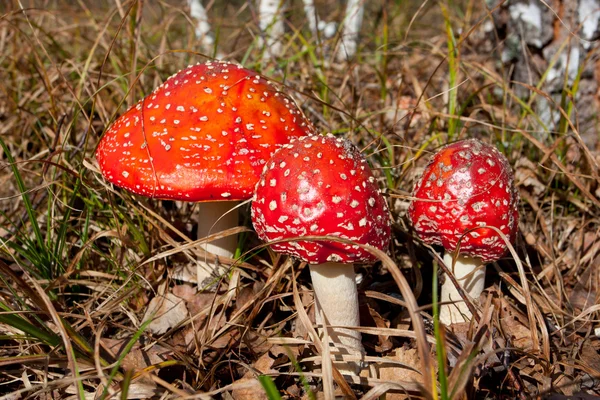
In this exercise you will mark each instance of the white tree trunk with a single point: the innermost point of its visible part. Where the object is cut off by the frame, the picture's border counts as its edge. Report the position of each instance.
(352, 23)
(336, 295)
(203, 31)
(562, 32)
(270, 21)
(311, 15)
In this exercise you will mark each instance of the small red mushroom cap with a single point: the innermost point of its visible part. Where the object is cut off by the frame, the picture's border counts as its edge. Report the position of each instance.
(467, 187)
(320, 186)
(205, 134)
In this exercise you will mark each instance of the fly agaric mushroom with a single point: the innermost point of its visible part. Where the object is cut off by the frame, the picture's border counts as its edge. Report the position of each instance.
(204, 135)
(322, 186)
(466, 191)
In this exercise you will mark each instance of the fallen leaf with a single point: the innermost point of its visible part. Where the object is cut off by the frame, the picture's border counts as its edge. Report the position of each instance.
(526, 175)
(514, 325)
(166, 312)
(251, 390)
(261, 366)
(248, 294)
(307, 298)
(139, 357)
(385, 344)
(590, 357)
(408, 372)
(195, 301)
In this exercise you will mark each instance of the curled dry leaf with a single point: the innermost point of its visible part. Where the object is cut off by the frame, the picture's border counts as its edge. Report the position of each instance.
(384, 342)
(526, 176)
(251, 390)
(514, 325)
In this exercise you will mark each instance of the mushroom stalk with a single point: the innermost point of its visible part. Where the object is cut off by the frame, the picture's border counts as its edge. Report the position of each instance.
(214, 217)
(336, 295)
(470, 274)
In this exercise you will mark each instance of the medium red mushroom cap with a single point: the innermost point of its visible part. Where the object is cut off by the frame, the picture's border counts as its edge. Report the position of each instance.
(467, 187)
(205, 134)
(320, 186)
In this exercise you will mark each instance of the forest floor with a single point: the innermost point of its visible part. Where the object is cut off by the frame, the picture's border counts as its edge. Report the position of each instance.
(83, 262)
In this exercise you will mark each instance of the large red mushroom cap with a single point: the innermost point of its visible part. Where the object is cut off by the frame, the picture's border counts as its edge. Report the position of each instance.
(466, 188)
(205, 134)
(320, 186)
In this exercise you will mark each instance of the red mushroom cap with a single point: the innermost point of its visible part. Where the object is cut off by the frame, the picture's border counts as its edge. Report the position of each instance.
(467, 187)
(205, 134)
(320, 186)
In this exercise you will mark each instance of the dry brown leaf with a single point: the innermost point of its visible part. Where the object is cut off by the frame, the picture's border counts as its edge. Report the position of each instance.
(139, 357)
(247, 294)
(199, 270)
(514, 326)
(396, 373)
(590, 357)
(526, 175)
(166, 312)
(224, 340)
(385, 344)
(259, 344)
(253, 392)
(194, 300)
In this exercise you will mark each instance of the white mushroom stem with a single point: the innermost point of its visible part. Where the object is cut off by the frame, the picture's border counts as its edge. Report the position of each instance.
(214, 217)
(470, 274)
(336, 295)
(352, 24)
(270, 21)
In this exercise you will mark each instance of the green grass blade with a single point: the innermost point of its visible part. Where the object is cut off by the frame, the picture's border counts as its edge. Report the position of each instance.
(21, 324)
(269, 386)
(298, 369)
(113, 372)
(452, 75)
(80, 390)
(126, 384)
(439, 338)
(61, 237)
(24, 195)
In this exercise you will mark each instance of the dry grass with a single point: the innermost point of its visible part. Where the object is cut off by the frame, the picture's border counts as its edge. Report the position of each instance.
(81, 261)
